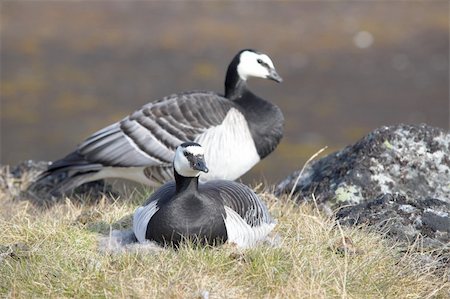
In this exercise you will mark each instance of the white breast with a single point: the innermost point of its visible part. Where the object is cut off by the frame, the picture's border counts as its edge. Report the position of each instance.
(229, 148)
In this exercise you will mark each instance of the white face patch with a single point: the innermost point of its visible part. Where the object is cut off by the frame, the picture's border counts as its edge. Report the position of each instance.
(182, 164)
(195, 150)
(250, 67)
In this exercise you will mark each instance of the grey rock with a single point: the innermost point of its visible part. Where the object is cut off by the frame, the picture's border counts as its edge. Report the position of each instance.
(387, 214)
(396, 179)
(436, 222)
(411, 160)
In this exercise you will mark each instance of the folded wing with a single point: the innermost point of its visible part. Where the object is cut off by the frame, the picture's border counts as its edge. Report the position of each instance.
(149, 136)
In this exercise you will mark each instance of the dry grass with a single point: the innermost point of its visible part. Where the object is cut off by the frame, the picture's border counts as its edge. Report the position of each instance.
(56, 255)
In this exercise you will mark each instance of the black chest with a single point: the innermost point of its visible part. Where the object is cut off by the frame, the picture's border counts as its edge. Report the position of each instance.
(265, 122)
(188, 216)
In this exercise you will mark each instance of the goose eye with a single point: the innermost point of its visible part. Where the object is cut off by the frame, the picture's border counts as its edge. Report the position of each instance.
(259, 61)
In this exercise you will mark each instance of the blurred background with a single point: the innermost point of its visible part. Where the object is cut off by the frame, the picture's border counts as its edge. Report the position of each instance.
(71, 68)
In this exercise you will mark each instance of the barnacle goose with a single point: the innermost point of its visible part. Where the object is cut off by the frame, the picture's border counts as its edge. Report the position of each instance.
(141, 146)
(209, 213)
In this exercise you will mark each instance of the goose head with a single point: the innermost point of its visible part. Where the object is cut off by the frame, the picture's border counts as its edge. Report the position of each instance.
(248, 63)
(189, 160)
(255, 64)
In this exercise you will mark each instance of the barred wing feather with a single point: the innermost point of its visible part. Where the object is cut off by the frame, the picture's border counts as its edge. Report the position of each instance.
(149, 136)
(243, 201)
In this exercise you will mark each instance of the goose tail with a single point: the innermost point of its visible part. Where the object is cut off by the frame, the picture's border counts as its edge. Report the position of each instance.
(64, 175)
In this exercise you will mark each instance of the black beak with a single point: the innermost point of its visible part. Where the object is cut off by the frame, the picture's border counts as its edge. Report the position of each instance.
(273, 75)
(200, 164)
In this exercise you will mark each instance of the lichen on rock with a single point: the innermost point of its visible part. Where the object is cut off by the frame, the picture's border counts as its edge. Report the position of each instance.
(410, 160)
(397, 177)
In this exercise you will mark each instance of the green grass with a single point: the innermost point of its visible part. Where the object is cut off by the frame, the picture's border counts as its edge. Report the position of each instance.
(58, 256)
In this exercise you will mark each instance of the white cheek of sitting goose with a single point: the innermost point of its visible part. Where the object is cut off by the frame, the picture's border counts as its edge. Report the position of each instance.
(189, 161)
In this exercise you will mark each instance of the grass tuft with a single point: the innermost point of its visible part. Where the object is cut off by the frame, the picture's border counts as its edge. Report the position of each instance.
(54, 252)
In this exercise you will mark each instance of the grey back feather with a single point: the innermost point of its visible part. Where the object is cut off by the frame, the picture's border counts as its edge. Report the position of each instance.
(149, 136)
(241, 199)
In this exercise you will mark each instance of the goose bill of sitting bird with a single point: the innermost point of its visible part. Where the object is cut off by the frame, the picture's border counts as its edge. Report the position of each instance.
(211, 213)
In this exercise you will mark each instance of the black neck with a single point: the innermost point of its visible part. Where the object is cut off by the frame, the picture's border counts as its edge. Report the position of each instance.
(235, 91)
(185, 183)
(234, 85)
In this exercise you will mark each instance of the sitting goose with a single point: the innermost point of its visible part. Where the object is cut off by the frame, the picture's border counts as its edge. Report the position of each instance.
(210, 213)
(141, 146)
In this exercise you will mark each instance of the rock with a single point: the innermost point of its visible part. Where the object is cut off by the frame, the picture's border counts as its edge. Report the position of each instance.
(396, 177)
(410, 160)
(403, 218)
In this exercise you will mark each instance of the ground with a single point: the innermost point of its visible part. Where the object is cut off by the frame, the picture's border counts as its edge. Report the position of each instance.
(59, 251)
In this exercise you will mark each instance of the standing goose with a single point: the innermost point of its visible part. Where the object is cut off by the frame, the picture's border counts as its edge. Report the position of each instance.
(210, 213)
(141, 146)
